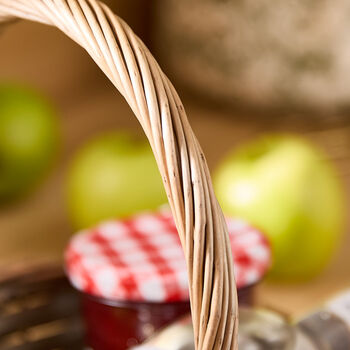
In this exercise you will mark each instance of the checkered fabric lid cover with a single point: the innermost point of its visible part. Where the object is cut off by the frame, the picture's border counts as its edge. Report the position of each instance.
(141, 258)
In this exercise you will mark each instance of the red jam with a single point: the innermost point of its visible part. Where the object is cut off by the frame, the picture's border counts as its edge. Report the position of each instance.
(112, 325)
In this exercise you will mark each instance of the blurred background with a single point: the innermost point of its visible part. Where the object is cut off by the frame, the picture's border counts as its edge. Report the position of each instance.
(245, 69)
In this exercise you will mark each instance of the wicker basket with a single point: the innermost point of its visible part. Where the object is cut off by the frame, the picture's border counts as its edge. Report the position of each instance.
(202, 229)
(39, 310)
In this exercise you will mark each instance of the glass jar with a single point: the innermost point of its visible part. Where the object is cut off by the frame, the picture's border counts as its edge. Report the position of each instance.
(113, 325)
(259, 330)
(133, 279)
(327, 328)
(118, 325)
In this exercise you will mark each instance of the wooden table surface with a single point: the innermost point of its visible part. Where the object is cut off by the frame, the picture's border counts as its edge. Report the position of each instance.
(38, 226)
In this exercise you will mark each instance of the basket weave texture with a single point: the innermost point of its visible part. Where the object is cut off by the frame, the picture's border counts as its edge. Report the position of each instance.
(39, 310)
(133, 70)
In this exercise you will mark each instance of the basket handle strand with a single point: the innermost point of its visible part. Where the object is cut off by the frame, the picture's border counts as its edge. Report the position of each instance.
(126, 61)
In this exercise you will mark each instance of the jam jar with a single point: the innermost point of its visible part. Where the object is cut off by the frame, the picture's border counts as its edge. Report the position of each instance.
(114, 325)
(133, 279)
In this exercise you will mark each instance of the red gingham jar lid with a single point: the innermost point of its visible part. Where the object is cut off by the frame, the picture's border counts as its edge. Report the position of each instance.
(141, 258)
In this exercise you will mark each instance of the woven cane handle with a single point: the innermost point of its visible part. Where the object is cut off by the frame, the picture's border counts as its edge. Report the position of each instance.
(133, 70)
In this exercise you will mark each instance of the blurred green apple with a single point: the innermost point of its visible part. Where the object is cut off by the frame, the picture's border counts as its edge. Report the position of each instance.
(113, 176)
(28, 139)
(285, 186)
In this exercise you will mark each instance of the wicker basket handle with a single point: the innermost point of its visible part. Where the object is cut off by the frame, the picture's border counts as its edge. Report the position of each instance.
(133, 70)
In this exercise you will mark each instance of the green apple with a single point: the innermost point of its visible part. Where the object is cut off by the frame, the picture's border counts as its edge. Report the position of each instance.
(285, 186)
(113, 176)
(28, 139)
